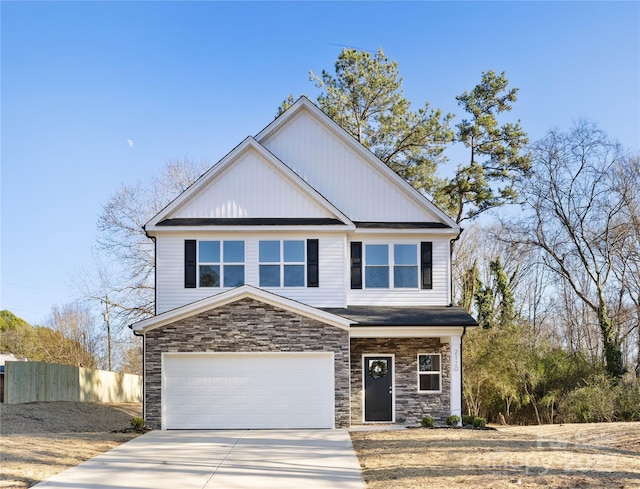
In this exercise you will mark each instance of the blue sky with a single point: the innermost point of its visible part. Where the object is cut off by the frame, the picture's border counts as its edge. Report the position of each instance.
(96, 94)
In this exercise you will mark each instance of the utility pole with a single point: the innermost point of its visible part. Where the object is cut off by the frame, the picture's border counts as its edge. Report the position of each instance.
(107, 321)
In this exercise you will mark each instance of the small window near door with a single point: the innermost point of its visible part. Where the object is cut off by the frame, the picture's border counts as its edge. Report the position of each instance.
(429, 372)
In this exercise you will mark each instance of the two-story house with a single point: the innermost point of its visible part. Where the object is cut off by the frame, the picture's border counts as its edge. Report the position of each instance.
(300, 283)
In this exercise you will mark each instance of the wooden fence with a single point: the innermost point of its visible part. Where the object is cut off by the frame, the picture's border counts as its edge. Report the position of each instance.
(37, 381)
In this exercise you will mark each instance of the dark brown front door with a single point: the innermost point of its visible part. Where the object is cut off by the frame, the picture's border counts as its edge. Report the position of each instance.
(378, 388)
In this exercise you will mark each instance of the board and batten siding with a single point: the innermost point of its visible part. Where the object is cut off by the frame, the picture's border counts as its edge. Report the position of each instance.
(251, 188)
(171, 293)
(439, 295)
(345, 178)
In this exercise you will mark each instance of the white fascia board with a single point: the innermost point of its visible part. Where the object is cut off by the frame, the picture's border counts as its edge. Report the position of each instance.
(233, 295)
(406, 331)
(217, 170)
(158, 230)
(304, 103)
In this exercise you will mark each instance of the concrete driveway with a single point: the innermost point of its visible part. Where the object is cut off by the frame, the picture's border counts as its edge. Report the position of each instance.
(231, 459)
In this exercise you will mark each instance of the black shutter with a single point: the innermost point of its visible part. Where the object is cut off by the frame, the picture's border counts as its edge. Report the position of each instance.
(190, 265)
(313, 279)
(426, 264)
(356, 265)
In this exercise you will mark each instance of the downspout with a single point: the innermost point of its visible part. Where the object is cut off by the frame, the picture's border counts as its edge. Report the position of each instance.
(451, 243)
(155, 312)
(144, 369)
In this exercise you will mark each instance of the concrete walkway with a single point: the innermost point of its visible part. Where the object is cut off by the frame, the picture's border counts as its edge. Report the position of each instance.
(231, 459)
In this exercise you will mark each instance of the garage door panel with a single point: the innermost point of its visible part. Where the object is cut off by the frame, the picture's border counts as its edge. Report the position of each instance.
(255, 390)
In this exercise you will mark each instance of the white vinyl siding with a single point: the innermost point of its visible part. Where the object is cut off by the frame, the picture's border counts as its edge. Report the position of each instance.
(171, 293)
(334, 267)
(344, 177)
(252, 188)
(438, 296)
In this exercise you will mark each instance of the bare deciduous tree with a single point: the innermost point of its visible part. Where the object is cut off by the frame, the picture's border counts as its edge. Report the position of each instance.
(78, 343)
(575, 217)
(127, 285)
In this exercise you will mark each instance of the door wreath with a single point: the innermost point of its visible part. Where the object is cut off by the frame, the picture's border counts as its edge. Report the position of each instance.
(378, 368)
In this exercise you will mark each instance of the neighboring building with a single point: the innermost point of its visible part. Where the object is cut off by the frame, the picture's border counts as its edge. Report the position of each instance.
(300, 283)
(6, 357)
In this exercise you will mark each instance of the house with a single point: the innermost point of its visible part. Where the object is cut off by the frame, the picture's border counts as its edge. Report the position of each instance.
(300, 283)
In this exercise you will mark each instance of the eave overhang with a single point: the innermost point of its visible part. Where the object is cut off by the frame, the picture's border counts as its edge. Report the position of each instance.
(195, 225)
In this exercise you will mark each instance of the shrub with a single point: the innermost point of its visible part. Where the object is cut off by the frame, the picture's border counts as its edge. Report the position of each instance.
(468, 420)
(452, 420)
(479, 422)
(627, 402)
(592, 403)
(137, 423)
(427, 422)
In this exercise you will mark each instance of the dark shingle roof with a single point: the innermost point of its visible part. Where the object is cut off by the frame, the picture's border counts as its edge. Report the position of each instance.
(405, 316)
(400, 225)
(187, 221)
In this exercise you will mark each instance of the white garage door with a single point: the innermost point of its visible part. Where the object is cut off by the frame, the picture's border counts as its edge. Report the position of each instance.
(247, 390)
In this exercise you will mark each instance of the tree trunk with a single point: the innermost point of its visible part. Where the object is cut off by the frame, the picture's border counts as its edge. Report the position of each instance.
(610, 344)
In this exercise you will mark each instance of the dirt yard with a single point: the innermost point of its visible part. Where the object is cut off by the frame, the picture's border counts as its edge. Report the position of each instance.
(574, 456)
(42, 439)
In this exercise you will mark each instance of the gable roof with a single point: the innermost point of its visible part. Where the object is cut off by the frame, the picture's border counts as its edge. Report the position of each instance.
(324, 212)
(233, 295)
(304, 106)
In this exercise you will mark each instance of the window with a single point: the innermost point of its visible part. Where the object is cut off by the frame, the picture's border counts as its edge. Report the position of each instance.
(221, 262)
(282, 263)
(405, 269)
(378, 263)
(429, 372)
(376, 270)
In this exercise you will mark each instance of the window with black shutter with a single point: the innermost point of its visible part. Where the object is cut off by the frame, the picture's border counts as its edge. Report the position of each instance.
(426, 265)
(313, 279)
(356, 265)
(190, 264)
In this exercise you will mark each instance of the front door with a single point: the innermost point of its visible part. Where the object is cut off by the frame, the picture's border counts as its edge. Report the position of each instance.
(378, 388)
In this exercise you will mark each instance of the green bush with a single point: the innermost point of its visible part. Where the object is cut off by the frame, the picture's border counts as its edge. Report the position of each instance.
(452, 420)
(137, 423)
(479, 422)
(427, 422)
(627, 402)
(594, 402)
(468, 420)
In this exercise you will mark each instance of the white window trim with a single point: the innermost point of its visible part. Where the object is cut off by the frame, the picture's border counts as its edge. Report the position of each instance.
(435, 372)
(390, 265)
(282, 264)
(221, 263)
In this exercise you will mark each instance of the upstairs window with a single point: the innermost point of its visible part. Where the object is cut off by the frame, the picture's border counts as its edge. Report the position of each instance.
(376, 270)
(221, 263)
(391, 266)
(429, 372)
(405, 266)
(282, 263)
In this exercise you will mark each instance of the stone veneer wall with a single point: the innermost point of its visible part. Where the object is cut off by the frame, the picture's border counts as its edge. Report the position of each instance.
(410, 406)
(246, 326)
